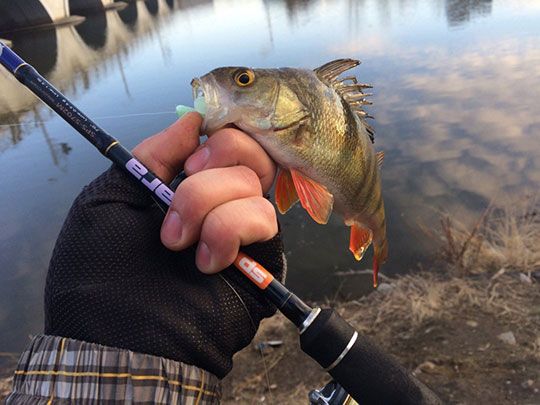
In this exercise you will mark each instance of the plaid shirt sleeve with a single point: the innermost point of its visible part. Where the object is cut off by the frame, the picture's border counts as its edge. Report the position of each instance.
(56, 370)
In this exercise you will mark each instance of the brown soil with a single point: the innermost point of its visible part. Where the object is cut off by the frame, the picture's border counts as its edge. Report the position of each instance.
(458, 354)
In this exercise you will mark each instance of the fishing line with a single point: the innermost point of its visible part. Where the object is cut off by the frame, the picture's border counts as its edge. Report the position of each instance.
(104, 117)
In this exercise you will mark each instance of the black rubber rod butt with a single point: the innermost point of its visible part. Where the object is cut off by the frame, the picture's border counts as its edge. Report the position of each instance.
(369, 375)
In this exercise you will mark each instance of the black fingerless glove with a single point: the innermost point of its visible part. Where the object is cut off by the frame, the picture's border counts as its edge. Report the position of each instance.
(112, 282)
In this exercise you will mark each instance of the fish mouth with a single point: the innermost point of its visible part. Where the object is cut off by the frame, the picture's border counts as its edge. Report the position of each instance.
(212, 104)
(197, 90)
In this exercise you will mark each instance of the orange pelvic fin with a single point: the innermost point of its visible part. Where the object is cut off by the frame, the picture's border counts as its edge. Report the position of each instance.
(380, 157)
(314, 197)
(286, 195)
(360, 240)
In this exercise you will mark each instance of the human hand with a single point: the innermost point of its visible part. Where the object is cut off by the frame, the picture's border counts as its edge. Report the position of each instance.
(112, 281)
(221, 204)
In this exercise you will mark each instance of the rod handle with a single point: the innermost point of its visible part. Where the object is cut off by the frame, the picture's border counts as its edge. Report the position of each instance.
(368, 374)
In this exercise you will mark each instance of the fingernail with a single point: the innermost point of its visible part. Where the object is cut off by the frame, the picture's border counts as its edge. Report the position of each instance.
(198, 160)
(171, 232)
(204, 258)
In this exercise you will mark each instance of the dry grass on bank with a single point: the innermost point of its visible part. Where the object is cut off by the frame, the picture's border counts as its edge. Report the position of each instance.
(444, 325)
(505, 237)
(485, 267)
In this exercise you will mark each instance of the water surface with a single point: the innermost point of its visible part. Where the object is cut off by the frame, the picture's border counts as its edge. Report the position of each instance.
(456, 107)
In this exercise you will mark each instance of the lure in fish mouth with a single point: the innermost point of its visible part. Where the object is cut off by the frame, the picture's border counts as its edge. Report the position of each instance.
(312, 123)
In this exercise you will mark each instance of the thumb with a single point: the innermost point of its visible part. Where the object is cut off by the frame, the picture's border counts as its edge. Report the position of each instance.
(165, 152)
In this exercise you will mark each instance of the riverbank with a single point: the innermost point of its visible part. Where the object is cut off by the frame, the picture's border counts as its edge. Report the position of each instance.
(472, 341)
(470, 328)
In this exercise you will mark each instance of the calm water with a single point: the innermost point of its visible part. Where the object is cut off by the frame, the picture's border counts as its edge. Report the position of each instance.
(456, 106)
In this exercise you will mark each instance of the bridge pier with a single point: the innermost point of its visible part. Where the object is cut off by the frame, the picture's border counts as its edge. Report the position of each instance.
(114, 5)
(89, 6)
(57, 10)
(17, 15)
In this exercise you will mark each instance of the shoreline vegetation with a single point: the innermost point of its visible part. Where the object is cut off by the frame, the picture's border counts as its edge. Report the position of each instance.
(469, 328)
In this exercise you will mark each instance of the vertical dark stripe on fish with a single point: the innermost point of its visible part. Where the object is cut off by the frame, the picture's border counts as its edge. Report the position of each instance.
(351, 134)
(379, 204)
(369, 181)
(366, 158)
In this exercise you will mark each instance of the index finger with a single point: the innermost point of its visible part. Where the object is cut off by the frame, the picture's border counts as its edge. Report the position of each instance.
(165, 152)
(232, 147)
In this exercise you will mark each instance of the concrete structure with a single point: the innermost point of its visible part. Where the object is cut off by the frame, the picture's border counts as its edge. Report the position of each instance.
(56, 9)
(74, 55)
(17, 15)
(88, 6)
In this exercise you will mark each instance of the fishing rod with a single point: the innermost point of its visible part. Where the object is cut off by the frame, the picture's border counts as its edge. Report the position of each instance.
(351, 359)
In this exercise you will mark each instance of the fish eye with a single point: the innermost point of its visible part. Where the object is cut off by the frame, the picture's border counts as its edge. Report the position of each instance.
(244, 78)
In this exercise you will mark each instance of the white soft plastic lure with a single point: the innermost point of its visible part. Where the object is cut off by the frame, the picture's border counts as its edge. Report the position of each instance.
(199, 105)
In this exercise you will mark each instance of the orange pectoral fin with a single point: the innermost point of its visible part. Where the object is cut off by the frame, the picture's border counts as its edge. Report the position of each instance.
(314, 197)
(286, 195)
(360, 240)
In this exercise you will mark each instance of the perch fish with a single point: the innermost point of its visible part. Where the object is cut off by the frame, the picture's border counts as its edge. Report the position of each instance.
(312, 123)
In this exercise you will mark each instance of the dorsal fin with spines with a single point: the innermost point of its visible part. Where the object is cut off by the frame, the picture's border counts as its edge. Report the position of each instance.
(347, 87)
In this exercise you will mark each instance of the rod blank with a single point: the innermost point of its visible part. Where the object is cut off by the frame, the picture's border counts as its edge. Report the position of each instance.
(288, 303)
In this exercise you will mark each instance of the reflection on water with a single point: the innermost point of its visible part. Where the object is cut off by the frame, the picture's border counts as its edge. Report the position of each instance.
(129, 14)
(456, 113)
(39, 48)
(93, 31)
(459, 12)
